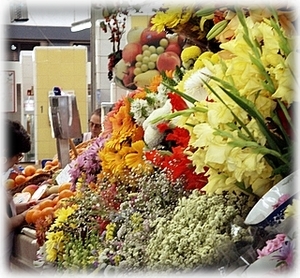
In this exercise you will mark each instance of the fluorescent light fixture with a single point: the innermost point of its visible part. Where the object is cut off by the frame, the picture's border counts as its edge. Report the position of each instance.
(81, 25)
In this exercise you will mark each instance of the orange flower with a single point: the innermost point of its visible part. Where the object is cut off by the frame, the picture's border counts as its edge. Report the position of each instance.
(156, 81)
(135, 157)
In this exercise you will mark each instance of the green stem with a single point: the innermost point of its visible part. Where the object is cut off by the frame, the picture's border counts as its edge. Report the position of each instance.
(183, 95)
(186, 112)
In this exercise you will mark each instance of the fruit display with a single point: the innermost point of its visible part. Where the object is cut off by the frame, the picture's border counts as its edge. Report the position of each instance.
(16, 187)
(146, 54)
(47, 206)
(40, 185)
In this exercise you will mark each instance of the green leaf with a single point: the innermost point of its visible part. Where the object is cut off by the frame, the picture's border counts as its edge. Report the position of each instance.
(234, 115)
(268, 84)
(250, 108)
(242, 187)
(205, 12)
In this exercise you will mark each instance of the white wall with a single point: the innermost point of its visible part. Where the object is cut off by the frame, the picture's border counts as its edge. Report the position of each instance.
(50, 13)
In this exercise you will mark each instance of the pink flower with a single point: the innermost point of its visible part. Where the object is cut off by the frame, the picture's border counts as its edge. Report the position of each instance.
(271, 245)
(281, 200)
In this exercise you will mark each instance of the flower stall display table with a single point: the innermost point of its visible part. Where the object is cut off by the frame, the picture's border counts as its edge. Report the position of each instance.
(24, 250)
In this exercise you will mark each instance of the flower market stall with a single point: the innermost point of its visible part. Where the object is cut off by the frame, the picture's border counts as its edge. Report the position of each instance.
(193, 172)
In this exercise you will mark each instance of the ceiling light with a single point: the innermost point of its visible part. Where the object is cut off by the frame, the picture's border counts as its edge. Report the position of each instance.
(81, 25)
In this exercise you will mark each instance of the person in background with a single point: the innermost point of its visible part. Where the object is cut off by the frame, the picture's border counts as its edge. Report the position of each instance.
(94, 127)
(17, 142)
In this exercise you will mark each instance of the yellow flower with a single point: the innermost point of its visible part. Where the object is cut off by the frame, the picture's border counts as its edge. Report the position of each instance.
(54, 245)
(191, 52)
(207, 55)
(203, 133)
(240, 161)
(261, 186)
(135, 157)
(285, 90)
(62, 215)
(171, 18)
(217, 151)
(217, 182)
(218, 114)
(110, 231)
(292, 210)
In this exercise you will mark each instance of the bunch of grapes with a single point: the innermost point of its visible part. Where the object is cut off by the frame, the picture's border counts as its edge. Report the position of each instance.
(147, 60)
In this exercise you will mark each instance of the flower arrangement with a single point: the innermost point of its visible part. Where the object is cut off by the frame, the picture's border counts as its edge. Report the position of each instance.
(240, 136)
(182, 161)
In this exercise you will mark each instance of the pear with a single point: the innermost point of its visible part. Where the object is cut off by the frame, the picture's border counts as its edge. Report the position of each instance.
(134, 34)
(121, 68)
(145, 78)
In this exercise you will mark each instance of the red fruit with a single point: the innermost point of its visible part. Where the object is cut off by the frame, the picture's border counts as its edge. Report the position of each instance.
(128, 77)
(178, 38)
(150, 37)
(181, 40)
(13, 175)
(31, 188)
(174, 47)
(130, 51)
(168, 61)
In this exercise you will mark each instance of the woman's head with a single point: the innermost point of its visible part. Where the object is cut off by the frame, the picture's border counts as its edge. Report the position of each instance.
(17, 142)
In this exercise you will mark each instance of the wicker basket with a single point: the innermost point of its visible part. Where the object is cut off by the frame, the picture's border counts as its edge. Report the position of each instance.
(80, 148)
(38, 179)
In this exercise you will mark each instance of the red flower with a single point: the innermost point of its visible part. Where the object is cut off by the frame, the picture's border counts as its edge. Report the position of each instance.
(177, 102)
(102, 224)
(178, 166)
(162, 127)
(155, 157)
(180, 135)
(109, 197)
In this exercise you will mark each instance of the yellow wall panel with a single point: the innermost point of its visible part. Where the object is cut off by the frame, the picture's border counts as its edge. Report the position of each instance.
(64, 67)
(139, 20)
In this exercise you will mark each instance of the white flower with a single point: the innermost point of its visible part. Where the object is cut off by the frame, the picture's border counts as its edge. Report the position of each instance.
(152, 136)
(193, 86)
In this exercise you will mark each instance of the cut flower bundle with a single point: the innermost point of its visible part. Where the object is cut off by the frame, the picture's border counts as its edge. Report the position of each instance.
(181, 162)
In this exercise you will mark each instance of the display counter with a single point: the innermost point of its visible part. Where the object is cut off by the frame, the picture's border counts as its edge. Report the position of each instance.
(24, 251)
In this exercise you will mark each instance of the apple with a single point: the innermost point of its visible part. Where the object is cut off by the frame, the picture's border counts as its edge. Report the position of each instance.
(174, 47)
(150, 37)
(181, 40)
(130, 51)
(31, 188)
(167, 61)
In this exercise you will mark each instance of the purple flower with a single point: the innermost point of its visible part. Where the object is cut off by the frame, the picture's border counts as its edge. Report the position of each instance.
(87, 162)
(285, 253)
